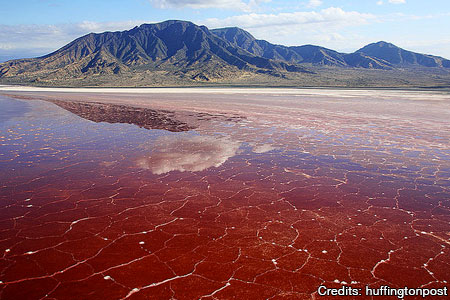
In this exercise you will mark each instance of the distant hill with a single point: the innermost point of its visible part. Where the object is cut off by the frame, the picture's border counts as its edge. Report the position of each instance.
(181, 53)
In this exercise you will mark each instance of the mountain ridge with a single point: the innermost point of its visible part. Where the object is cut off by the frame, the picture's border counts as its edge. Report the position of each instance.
(168, 45)
(181, 52)
(379, 55)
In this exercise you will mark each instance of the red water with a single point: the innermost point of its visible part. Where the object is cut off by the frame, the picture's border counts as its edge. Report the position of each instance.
(246, 210)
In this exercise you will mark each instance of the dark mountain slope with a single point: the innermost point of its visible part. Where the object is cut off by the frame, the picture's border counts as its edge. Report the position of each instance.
(307, 54)
(246, 41)
(173, 46)
(379, 55)
(402, 58)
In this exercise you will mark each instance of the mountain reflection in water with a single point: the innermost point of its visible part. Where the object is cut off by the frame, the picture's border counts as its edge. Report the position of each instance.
(113, 113)
(188, 153)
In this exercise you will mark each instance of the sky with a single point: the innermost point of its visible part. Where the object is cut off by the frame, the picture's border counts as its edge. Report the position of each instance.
(30, 28)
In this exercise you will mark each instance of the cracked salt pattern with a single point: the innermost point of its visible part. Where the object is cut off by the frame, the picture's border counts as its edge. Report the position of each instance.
(255, 209)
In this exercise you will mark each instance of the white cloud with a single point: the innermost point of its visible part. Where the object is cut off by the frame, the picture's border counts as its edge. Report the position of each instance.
(201, 4)
(331, 27)
(41, 39)
(89, 26)
(188, 154)
(380, 2)
(314, 3)
(331, 16)
(328, 27)
(440, 47)
(6, 46)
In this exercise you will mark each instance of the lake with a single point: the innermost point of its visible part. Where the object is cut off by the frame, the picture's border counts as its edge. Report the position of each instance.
(222, 193)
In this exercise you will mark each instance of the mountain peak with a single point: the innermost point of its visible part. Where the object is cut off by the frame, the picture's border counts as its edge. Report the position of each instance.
(397, 56)
(383, 44)
(235, 35)
(378, 45)
(167, 23)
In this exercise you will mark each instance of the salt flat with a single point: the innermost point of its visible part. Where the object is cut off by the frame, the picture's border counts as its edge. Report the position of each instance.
(246, 193)
(227, 90)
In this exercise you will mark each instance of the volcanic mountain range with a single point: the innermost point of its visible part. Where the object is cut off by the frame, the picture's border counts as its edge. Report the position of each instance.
(180, 52)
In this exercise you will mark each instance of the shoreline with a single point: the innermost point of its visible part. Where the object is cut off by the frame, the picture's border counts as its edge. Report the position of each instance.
(230, 87)
(285, 107)
(308, 91)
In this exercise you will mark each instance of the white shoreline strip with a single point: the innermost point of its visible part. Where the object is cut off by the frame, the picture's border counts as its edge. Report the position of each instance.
(410, 94)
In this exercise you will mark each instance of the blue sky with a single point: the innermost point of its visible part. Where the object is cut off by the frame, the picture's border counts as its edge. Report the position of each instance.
(36, 27)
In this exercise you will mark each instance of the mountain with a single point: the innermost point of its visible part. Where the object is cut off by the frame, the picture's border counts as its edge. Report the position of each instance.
(379, 55)
(182, 53)
(176, 47)
(243, 39)
(307, 54)
(402, 58)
